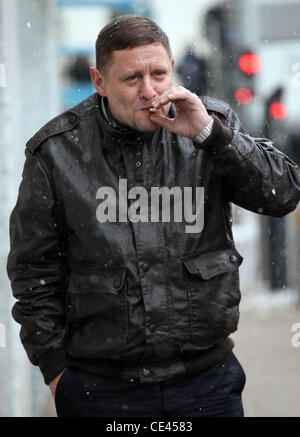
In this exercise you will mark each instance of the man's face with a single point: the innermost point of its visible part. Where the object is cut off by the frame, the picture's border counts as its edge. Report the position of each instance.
(134, 78)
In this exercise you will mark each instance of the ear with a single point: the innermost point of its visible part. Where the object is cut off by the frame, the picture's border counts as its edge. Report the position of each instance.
(98, 81)
(173, 62)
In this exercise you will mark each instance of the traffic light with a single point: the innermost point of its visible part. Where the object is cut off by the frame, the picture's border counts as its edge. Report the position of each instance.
(249, 65)
(275, 109)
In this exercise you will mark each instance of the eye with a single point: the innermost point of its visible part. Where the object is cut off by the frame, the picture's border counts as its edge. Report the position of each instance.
(159, 73)
(131, 78)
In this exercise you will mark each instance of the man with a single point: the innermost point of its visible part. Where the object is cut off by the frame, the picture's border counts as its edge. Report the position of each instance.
(127, 312)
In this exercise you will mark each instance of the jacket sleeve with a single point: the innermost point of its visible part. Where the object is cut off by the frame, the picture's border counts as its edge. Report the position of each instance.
(256, 175)
(35, 268)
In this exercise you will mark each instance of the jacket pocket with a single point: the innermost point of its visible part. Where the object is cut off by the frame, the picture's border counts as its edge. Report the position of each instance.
(212, 286)
(97, 313)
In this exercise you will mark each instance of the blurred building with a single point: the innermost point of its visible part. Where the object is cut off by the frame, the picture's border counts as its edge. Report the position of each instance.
(28, 98)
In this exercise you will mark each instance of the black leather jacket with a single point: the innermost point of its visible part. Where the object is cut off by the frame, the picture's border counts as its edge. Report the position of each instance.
(143, 294)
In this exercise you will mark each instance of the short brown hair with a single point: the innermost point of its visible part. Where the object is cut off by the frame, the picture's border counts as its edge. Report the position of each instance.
(124, 32)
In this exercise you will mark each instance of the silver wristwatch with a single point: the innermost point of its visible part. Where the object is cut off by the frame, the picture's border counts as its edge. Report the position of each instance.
(204, 134)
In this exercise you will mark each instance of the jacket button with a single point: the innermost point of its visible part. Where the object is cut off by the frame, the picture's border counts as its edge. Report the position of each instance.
(152, 328)
(146, 372)
(72, 118)
(233, 259)
(146, 267)
(117, 283)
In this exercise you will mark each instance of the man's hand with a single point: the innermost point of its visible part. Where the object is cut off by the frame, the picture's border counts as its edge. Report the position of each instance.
(54, 383)
(191, 118)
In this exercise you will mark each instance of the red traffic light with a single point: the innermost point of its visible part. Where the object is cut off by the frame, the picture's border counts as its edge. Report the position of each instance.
(277, 110)
(243, 96)
(249, 63)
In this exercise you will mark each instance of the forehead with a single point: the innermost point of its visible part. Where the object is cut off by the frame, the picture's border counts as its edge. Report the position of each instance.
(140, 56)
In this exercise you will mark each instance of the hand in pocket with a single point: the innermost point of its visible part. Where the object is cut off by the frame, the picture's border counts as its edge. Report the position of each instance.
(54, 382)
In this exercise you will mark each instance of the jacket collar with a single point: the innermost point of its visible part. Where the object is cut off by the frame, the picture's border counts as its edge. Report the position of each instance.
(111, 136)
(115, 133)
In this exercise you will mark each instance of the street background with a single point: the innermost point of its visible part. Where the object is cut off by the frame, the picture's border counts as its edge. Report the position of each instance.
(244, 52)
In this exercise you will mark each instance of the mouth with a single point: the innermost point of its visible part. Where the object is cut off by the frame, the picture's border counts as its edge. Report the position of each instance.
(149, 110)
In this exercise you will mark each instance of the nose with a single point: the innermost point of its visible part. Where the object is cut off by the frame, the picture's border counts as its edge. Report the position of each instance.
(147, 90)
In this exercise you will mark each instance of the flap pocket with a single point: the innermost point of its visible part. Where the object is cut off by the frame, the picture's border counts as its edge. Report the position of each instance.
(213, 263)
(97, 313)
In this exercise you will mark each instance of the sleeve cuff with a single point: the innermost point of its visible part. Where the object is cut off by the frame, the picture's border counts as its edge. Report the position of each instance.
(219, 138)
(52, 363)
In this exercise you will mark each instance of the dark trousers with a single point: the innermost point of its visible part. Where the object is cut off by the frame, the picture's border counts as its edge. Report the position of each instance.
(213, 392)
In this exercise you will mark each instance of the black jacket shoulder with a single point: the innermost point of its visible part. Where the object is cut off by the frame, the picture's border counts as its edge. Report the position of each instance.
(63, 122)
(216, 106)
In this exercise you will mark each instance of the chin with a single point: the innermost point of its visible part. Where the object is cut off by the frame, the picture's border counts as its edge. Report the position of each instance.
(146, 127)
